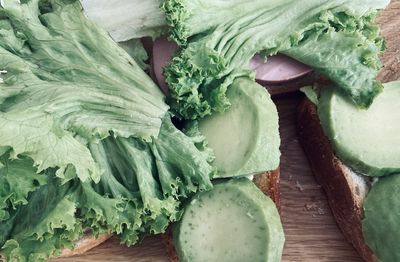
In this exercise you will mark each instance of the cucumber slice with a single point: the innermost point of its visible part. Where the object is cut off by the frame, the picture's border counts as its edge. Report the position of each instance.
(366, 140)
(381, 219)
(245, 138)
(233, 222)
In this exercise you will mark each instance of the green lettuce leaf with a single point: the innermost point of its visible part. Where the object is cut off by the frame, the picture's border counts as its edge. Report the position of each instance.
(127, 19)
(18, 178)
(66, 84)
(45, 225)
(135, 49)
(147, 181)
(359, 44)
(139, 193)
(86, 142)
(320, 33)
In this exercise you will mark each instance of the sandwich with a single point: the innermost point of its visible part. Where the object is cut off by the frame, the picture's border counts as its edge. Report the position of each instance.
(351, 184)
(357, 169)
(90, 147)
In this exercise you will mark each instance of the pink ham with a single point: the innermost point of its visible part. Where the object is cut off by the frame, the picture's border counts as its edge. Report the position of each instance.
(277, 69)
(162, 53)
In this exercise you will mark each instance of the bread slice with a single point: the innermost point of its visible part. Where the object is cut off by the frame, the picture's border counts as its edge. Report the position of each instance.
(267, 182)
(87, 242)
(345, 189)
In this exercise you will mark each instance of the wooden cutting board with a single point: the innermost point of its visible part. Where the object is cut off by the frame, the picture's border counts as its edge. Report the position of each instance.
(311, 232)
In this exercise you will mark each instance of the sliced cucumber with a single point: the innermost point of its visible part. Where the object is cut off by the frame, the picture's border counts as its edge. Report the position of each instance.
(366, 140)
(245, 138)
(381, 219)
(233, 222)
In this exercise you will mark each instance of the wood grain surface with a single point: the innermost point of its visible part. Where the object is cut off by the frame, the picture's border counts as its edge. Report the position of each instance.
(311, 232)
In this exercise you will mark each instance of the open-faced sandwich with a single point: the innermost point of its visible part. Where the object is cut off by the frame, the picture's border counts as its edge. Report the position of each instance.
(355, 156)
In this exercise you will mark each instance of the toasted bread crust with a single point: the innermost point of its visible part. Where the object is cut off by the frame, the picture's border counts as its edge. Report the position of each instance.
(169, 245)
(343, 190)
(267, 182)
(86, 243)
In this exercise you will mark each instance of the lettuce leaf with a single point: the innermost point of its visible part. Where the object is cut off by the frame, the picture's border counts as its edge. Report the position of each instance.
(136, 50)
(45, 225)
(86, 140)
(321, 33)
(127, 19)
(18, 178)
(149, 176)
(67, 84)
(139, 193)
(359, 44)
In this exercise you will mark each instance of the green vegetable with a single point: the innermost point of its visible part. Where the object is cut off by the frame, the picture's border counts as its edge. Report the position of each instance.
(127, 19)
(82, 127)
(78, 89)
(245, 138)
(311, 94)
(45, 224)
(139, 193)
(320, 33)
(135, 49)
(381, 219)
(17, 179)
(234, 221)
(364, 139)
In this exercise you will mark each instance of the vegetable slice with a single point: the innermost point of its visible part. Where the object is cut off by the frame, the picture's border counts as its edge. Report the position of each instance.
(245, 138)
(381, 215)
(365, 140)
(233, 222)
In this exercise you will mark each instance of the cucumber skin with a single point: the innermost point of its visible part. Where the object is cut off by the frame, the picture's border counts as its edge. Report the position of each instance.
(252, 193)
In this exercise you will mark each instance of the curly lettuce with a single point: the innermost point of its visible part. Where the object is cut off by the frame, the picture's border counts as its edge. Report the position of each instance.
(67, 84)
(337, 38)
(44, 225)
(139, 193)
(86, 140)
